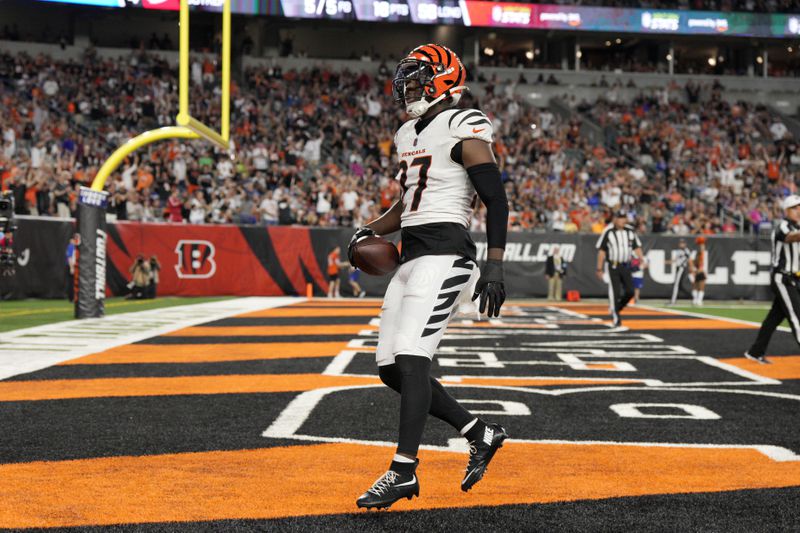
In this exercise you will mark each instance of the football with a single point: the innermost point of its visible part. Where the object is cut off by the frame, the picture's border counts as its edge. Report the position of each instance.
(375, 256)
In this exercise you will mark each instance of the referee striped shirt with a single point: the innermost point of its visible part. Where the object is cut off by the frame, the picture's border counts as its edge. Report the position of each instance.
(682, 258)
(618, 244)
(785, 255)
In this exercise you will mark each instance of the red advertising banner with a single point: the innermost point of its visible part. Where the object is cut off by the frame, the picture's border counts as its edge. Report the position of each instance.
(199, 260)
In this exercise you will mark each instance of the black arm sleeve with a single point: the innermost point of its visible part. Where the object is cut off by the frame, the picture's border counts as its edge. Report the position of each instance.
(486, 180)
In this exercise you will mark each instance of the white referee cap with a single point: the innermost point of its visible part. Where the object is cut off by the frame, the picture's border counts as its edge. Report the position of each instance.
(791, 201)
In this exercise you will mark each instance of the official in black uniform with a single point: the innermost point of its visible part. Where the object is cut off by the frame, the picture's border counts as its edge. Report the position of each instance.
(615, 248)
(681, 263)
(784, 280)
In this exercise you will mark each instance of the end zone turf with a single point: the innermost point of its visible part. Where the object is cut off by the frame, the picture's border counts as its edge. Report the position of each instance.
(274, 419)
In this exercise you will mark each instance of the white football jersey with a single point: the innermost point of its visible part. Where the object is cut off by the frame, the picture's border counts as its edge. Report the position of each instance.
(434, 187)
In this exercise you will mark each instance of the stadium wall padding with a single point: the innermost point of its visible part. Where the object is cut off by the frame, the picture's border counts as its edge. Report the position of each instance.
(41, 248)
(203, 260)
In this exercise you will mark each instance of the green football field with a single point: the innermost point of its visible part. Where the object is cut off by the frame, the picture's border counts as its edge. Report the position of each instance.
(18, 314)
(750, 313)
(28, 313)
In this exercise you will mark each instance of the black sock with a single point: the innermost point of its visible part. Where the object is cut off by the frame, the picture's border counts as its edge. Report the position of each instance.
(415, 401)
(405, 469)
(476, 432)
(443, 406)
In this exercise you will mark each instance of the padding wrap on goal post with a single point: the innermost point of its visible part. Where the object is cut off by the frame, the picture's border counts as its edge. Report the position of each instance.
(92, 259)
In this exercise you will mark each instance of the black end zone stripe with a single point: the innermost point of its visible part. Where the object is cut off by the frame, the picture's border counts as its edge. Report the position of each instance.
(246, 339)
(298, 365)
(94, 427)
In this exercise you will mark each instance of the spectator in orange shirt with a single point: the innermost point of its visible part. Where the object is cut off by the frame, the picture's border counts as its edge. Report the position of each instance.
(333, 272)
(144, 179)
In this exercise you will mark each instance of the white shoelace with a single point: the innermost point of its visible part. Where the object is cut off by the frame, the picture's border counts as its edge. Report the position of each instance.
(472, 451)
(383, 483)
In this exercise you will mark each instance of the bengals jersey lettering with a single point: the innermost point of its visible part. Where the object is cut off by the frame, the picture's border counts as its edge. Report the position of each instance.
(435, 188)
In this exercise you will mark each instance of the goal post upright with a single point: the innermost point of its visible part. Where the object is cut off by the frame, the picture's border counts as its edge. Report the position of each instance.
(184, 118)
(93, 200)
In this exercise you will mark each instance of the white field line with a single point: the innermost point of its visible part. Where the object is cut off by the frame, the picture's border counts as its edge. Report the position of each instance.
(704, 315)
(30, 349)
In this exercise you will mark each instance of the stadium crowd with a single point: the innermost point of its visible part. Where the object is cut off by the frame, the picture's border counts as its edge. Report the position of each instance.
(314, 147)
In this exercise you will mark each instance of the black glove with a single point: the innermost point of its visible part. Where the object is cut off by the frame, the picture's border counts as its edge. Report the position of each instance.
(490, 287)
(359, 234)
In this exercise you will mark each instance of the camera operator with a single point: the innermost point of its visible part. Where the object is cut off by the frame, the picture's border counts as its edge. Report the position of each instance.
(140, 272)
(155, 268)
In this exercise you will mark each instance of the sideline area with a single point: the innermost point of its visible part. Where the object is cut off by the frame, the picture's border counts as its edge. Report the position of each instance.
(18, 314)
(29, 349)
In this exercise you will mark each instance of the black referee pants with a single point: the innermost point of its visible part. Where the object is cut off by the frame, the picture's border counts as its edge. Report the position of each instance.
(676, 286)
(620, 288)
(786, 304)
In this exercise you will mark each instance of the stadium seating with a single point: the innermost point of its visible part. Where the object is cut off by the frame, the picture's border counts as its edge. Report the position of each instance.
(314, 146)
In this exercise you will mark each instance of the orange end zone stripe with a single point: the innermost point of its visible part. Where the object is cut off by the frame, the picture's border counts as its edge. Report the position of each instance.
(782, 367)
(210, 353)
(236, 331)
(686, 323)
(242, 484)
(296, 311)
(11, 391)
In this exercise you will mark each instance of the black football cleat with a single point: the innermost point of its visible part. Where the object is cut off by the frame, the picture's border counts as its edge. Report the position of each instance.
(481, 453)
(389, 488)
(760, 358)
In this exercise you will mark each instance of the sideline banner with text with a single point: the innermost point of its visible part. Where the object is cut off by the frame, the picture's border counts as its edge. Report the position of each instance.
(205, 260)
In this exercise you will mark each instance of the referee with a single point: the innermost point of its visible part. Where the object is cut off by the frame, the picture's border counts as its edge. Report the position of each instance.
(783, 280)
(616, 247)
(681, 263)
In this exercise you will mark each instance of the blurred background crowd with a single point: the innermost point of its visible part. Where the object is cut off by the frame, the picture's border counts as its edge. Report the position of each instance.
(314, 147)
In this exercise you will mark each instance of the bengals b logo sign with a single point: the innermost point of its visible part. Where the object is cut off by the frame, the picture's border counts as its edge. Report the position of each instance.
(195, 259)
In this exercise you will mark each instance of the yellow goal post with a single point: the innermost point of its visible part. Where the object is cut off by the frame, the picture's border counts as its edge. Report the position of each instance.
(187, 126)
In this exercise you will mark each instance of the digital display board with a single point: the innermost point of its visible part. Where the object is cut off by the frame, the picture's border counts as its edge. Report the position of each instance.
(499, 15)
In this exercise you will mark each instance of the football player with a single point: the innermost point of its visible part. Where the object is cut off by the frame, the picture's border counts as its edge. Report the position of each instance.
(446, 161)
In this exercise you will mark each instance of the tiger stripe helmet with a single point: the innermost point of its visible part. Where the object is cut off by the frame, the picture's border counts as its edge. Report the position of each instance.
(439, 73)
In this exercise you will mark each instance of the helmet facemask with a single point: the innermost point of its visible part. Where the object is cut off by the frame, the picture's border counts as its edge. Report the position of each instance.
(421, 75)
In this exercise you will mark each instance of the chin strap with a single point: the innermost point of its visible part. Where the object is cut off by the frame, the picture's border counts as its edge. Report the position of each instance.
(420, 107)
